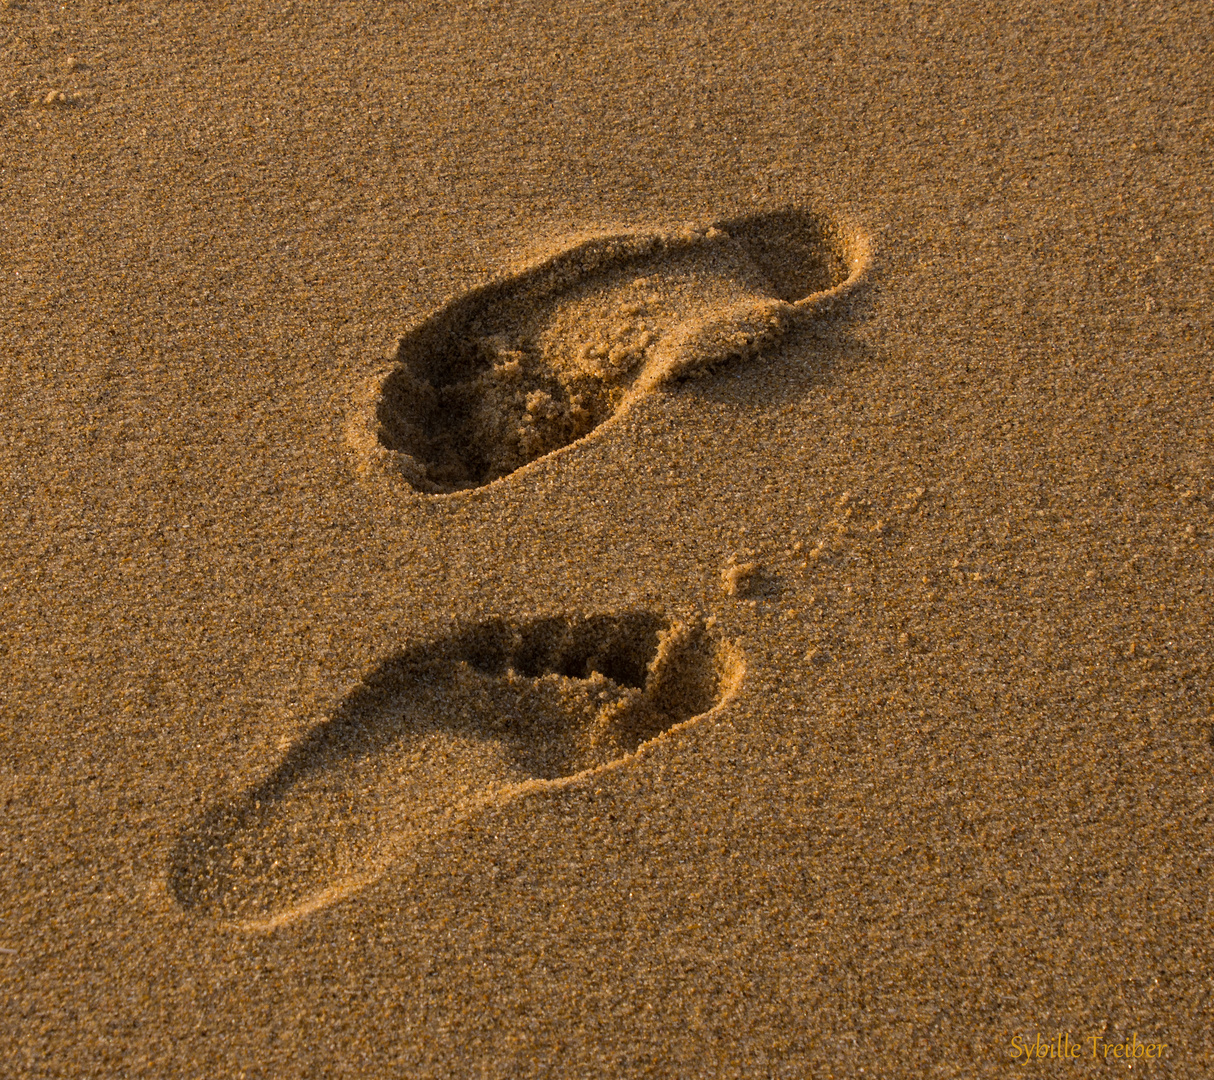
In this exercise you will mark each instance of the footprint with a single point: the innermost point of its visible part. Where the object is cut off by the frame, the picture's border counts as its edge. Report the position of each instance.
(436, 732)
(530, 363)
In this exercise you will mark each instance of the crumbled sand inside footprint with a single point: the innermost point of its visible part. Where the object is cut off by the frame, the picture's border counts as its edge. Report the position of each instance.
(553, 369)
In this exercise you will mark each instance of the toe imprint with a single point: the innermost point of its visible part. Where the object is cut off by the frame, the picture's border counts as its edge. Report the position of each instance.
(436, 732)
(528, 364)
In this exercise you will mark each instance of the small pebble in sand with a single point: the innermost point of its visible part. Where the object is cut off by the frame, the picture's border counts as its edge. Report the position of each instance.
(738, 578)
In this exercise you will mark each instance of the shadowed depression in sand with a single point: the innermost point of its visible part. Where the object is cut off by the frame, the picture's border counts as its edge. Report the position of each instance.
(439, 729)
(528, 364)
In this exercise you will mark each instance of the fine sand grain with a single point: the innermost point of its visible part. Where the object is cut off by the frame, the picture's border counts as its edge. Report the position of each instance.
(605, 541)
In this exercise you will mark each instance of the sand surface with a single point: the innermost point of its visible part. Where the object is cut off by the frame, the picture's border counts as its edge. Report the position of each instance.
(693, 684)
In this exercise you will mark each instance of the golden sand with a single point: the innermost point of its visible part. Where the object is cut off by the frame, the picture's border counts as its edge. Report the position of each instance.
(601, 541)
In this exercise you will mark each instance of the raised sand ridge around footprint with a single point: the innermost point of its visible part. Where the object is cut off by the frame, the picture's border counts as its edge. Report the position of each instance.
(437, 731)
(517, 369)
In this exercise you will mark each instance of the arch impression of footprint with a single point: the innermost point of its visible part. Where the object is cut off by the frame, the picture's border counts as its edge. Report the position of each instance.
(436, 732)
(525, 365)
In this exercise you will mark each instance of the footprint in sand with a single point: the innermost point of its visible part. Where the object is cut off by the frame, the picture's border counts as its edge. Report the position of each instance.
(436, 732)
(530, 363)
